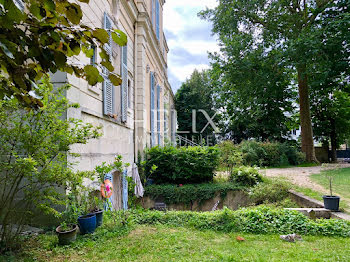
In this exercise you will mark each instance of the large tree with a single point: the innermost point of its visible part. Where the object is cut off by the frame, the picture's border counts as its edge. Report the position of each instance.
(41, 37)
(194, 99)
(254, 92)
(286, 26)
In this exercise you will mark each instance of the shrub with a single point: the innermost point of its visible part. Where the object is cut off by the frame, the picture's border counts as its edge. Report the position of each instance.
(184, 165)
(270, 154)
(34, 166)
(187, 194)
(258, 220)
(246, 175)
(230, 155)
(271, 191)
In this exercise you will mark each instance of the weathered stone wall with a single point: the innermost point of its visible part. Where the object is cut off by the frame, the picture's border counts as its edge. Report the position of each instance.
(233, 200)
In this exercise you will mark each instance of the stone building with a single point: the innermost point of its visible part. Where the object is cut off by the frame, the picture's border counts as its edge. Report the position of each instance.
(140, 112)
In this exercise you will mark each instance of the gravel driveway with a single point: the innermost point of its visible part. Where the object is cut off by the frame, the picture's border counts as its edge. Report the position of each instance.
(301, 175)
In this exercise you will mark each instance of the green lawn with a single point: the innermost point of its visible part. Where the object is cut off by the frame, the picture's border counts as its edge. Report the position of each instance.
(341, 182)
(162, 243)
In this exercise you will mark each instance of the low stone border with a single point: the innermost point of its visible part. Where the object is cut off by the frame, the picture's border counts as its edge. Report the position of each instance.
(314, 208)
(305, 201)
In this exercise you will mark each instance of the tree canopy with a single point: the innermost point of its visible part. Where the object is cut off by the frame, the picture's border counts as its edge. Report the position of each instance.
(195, 94)
(43, 38)
(290, 31)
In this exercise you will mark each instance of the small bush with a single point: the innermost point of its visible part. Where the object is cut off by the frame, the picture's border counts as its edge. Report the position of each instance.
(271, 191)
(258, 220)
(246, 175)
(187, 194)
(230, 155)
(270, 154)
(184, 165)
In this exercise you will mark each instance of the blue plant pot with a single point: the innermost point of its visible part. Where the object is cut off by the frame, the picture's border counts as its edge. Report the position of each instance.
(99, 217)
(87, 224)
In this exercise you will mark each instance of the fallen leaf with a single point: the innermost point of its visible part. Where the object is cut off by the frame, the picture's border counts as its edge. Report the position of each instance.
(239, 238)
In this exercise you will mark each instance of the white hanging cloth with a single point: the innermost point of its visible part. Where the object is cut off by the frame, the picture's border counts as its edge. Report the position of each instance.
(139, 190)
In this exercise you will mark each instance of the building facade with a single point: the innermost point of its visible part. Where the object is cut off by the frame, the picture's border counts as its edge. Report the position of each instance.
(140, 112)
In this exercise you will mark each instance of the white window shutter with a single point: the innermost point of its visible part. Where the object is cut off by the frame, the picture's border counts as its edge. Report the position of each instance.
(157, 19)
(165, 122)
(108, 98)
(108, 88)
(124, 86)
(19, 4)
(108, 26)
(153, 12)
(158, 116)
(152, 110)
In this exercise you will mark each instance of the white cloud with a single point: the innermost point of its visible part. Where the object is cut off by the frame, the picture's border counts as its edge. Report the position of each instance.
(187, 31)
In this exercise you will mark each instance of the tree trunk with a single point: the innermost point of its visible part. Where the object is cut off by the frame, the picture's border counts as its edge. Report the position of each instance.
(333, 142)
(307, 140)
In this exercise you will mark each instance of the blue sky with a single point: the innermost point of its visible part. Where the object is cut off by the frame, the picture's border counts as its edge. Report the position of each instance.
(189, 38)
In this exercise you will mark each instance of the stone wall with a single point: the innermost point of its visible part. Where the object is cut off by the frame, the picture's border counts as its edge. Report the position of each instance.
(233, 200)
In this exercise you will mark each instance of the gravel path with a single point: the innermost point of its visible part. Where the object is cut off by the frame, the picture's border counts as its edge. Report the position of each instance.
(301, 175)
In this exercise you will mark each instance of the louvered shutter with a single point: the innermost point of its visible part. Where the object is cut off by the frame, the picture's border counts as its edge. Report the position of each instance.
(157, 18)
(165, 122)
(108, 97)
(173, 126)
(158, 116)
(153, 12)
(19, 4)
(124, 86)
(108, 88)
(152, 110)
(125, 189)
(108, 27)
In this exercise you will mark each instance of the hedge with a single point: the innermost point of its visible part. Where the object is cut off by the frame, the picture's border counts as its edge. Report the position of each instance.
(259, 220)
(187, 194)
(184, 165)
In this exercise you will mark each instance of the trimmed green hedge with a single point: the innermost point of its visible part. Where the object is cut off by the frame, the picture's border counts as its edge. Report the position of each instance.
(187, 194)
(260, 220)
(184, 165)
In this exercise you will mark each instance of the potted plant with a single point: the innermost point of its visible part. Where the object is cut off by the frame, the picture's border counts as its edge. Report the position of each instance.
(87, 221)
(331, 202)
(67, 230)
(97, 209)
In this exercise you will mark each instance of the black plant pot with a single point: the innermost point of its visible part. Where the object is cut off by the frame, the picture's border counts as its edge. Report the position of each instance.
(99, 217)
(331, 202)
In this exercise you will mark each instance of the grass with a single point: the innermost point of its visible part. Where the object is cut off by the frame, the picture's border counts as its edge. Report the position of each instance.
(341, 181)
(163, 243)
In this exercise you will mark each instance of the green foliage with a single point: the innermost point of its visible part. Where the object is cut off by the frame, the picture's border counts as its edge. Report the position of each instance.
(271, 191)
(259, 220)
(33, 157)
(270, 154)
(289, 46)
(41, 39)
(195, 94)
(71, 213)
(105, 168)
(184, 165)
(246, 176)
(188, 194)
(230, 155)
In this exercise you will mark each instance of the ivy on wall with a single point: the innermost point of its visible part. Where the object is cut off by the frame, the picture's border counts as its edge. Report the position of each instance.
(188, 194)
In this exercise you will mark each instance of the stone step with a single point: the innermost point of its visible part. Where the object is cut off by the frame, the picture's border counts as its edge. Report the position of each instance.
(314, 213)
